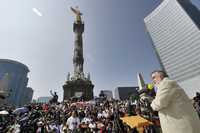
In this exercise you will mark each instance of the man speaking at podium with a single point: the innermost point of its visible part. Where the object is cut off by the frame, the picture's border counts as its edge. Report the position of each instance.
(176, 112)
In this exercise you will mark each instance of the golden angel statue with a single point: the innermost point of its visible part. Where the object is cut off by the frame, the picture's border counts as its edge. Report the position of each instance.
(77, 13)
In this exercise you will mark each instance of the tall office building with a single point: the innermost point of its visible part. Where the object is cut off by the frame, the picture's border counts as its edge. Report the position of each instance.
(26, 96)
(107, 93)
(17, 81)
(44, 99)
(174, 28)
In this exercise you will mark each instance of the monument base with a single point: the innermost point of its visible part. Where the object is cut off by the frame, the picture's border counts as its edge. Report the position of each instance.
(78, 87)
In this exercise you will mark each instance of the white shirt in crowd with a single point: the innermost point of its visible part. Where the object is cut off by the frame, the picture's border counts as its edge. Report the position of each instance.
(86, 120)
(99, 115)
(73, 122)
(16, 128)
(105, 113)
(92, 126)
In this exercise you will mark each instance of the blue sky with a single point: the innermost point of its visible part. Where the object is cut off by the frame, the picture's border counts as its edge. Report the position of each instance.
(39, 34)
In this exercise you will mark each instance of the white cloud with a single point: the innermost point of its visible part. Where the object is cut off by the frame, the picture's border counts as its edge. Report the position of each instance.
(37, 12)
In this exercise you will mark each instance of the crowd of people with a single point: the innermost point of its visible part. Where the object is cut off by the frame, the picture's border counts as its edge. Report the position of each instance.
(103, 116)
(67, 117)
(74, 117)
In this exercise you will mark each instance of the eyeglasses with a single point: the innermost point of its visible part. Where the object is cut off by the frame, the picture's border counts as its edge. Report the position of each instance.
(153, 77)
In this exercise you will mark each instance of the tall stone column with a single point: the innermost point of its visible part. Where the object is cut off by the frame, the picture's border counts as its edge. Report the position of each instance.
(78, 84)
(78, 59)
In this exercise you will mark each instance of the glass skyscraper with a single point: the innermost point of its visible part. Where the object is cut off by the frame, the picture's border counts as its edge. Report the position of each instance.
(174, 28)
(19, 93)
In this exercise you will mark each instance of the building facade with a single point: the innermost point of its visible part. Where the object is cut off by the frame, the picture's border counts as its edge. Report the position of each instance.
(107, 93)
(27, 96)
(122, 93)
(17, 81)
(43, 99)
(174, 29)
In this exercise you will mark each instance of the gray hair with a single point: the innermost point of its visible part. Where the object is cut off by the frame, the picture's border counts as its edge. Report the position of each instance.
(161, 72)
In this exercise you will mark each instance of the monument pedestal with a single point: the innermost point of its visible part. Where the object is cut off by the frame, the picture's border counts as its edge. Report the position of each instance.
(78, 87)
